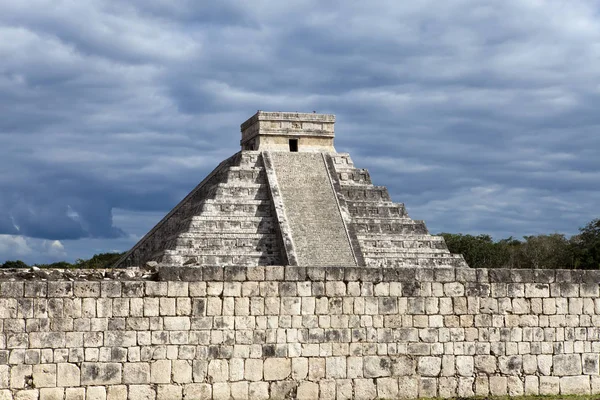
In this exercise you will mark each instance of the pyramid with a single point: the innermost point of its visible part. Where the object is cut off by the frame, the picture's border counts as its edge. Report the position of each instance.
(288, 198)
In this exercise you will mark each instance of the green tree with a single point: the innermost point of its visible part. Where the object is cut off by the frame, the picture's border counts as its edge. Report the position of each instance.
(586, 246)
(547, 251)
(15, 264)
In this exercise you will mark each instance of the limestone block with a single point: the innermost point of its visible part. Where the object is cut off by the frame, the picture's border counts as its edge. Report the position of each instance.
(44, 375)
(465, 365)
(387, 388)
(376, 366)
(52, 394)
(364, 389)
(590, 363)
(136, 373)
(549, 385)
(510, 365)
(18, 375)
(515, 386)
(200, 391)
(259, 390)
(307, 391)
(575, 385)
(253, 369)
(344, 389)
(68, 375)
(96, 393)
(408, 387)
(316, 369)
(335, 367)
(169, 392)
(429, 366)
(532, 386)
(276, 369)
(181, 371)
(30, 394)
(76, 394)
(447, 387)
(498, 385)
(283, 389)
(465, 387)
(145, 392)
(93, 373)
(567, 364)
(428, 387)
(160, 371)
(239, 390)
(299, 368)
(218, 371)
(117, 392)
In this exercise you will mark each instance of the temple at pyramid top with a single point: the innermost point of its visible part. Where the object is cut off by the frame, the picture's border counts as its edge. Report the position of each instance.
(294, 132)
(288, 198)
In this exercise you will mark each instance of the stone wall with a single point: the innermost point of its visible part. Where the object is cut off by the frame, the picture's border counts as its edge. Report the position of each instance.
(263, 332)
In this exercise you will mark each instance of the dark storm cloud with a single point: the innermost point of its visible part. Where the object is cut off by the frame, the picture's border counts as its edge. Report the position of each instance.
(481, 117)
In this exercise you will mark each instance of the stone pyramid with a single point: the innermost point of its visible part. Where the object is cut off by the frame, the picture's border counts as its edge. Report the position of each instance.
(288, 198)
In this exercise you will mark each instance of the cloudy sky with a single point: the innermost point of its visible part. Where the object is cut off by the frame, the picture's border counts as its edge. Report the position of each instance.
(481, 116)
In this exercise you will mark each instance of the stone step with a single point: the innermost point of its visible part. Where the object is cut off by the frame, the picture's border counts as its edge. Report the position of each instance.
(405, 227)
(372, 193)
(430, 243)
(245, 174)
(249, 159)
(342, 161)
(400, 253)
(234, 225)
(234, 206)
(265, 242)
(354, 176)
(250, 191)
(376, 209)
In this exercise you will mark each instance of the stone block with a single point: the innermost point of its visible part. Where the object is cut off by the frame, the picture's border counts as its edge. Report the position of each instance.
(429, 366)
(52, 394)
(387, 388)
(68, 375)
(567, 364)
(498, 385)
(377, 366)
(276, 369)
(218, 371)
(96, 393)
(335, 367)
(549, 385)
(94, 373)
(160, 371)
(136, 373)
(169, 392)
(307, 391)
(575, 385)
(283, 389)
(181, 371)
(465, 365)
(365, 389)
(259, 390)
(145, 392)
(77, 394)
(44, 375)
(200, 391)
(116, 392)
(428, 387)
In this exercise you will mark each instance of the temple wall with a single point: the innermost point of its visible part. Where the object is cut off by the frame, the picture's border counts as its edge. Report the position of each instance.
(331, 333)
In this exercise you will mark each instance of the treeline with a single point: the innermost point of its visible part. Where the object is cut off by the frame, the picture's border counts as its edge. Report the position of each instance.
(102, 260)
(580, 251)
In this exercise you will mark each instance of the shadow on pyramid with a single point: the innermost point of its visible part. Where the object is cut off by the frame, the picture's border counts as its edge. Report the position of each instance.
(288, 198)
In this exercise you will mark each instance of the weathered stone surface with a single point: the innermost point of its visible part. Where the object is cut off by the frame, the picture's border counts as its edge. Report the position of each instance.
(276, 369)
